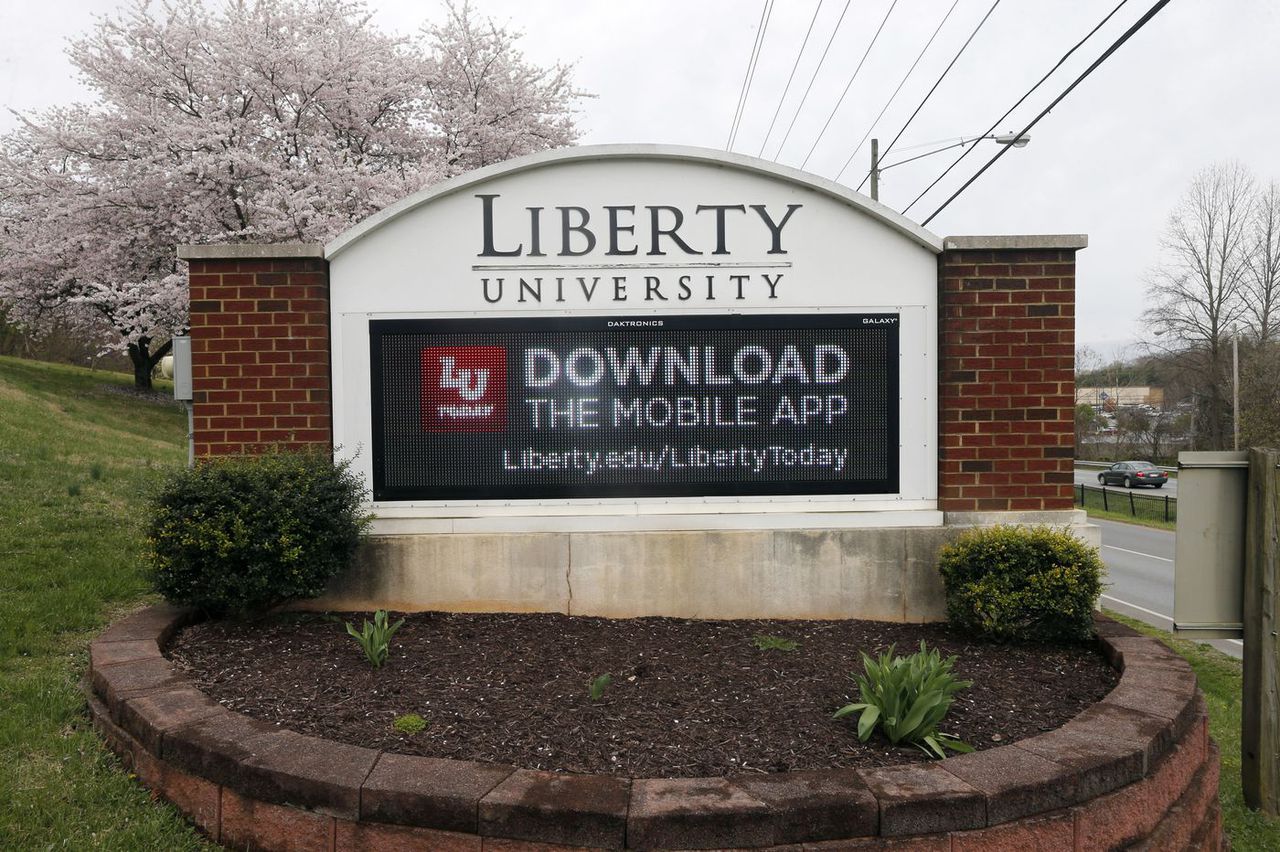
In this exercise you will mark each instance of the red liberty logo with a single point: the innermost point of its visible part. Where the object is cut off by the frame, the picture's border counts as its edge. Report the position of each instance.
(464, 389)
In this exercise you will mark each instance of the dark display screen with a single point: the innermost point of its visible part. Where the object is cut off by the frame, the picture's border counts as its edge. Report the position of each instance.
(635, 406)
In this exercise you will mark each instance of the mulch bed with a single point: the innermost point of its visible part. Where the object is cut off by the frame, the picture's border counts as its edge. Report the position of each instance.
(687, 698)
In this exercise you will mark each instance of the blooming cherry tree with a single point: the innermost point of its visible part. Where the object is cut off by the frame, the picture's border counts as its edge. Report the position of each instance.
(264, 121)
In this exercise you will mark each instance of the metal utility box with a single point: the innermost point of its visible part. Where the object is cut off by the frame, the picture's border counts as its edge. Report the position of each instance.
(182, 368)
(1208, 575)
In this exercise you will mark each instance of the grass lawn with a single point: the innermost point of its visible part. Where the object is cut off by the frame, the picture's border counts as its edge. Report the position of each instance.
(1220, 678)
(77, 455)
(1147, 508)
(1126, 518)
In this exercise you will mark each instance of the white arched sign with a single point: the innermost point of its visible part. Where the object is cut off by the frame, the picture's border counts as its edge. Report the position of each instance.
(637, 337)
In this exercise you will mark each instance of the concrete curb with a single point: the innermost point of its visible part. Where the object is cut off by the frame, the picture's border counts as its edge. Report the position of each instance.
(1136, 768)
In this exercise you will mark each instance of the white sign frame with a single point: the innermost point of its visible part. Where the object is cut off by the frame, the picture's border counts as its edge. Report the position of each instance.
(844, 253)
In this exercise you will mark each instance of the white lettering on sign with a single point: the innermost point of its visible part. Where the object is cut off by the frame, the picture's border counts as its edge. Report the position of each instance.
(688, 365)
(755, 460)
(717, 370)
(461, 379)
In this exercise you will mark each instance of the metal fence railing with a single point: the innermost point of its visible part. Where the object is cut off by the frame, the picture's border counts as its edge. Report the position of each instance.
(1098, 465)
(1153, 507)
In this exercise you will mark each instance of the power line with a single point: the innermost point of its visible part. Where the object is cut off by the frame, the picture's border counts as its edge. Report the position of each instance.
(1010, 110)
(1142, 22)
(929, 94)
(791, 77)
(809, 87)
(751, 59)
(901, 83)
(765, 12)
(836, 108)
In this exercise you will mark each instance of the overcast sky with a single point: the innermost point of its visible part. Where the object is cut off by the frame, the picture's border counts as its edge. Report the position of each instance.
(1195, 86)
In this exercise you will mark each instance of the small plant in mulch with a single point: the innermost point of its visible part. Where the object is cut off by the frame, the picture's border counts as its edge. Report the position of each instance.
(773, 643)
(598, 685)
(410, 723)
(375, 638)
(907, 698)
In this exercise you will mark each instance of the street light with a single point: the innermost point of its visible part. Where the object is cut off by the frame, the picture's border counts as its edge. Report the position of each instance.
(1010, 139)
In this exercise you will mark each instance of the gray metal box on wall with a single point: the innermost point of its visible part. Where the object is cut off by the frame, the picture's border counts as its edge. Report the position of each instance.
(1208, 576)
(182, 368)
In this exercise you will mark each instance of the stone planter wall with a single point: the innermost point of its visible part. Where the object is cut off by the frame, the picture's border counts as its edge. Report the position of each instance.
(1136, 770)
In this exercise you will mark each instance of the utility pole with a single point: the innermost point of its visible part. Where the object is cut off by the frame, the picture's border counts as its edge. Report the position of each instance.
(875, 169)
(1235, 387)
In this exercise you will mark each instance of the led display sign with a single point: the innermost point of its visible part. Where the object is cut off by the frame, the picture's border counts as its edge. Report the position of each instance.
(616, 406)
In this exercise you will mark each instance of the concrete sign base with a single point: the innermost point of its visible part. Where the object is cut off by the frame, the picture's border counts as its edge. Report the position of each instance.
(879, 573)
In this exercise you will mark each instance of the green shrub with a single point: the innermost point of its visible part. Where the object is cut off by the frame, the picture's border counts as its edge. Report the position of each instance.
(243, 534)
(1010, 583)
(908, 697)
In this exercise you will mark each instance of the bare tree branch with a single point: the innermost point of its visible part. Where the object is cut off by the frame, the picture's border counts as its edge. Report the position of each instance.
(1198, 290)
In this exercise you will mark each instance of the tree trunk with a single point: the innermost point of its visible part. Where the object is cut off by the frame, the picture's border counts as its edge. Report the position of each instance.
(144, 360)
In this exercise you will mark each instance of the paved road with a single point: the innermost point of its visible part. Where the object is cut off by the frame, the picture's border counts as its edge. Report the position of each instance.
(1089, 476)
(1140, 570)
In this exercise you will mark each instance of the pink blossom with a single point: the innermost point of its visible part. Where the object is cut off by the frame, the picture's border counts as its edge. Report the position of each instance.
(266, 121)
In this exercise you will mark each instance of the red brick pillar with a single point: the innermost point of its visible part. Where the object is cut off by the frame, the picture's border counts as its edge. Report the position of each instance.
(1006, 373)
(259, 347)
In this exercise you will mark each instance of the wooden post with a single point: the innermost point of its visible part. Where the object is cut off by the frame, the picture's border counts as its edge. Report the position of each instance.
(1260, 726)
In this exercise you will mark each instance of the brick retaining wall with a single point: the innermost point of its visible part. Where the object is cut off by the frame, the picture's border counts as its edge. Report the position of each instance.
(1136, 770)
